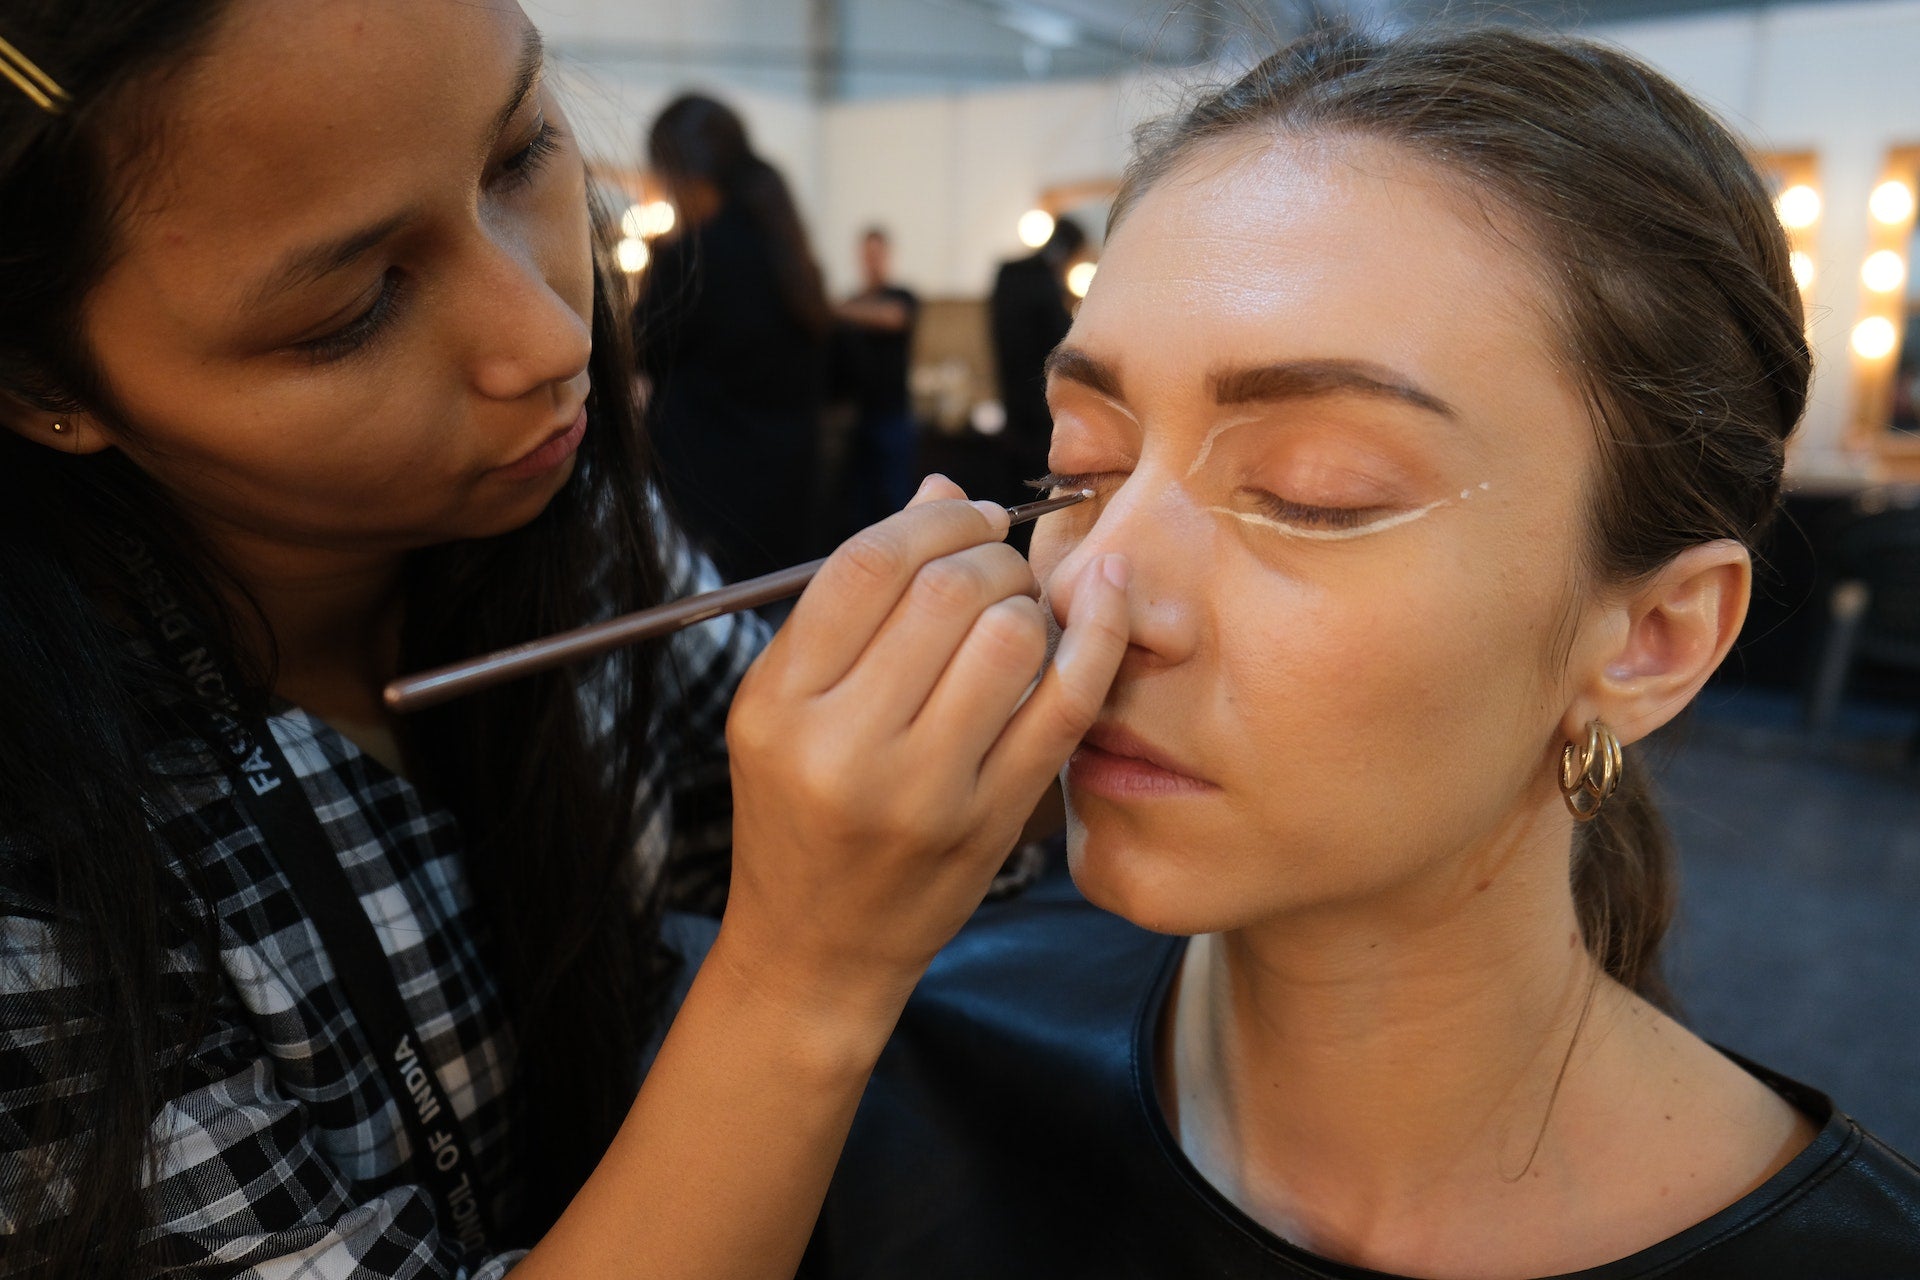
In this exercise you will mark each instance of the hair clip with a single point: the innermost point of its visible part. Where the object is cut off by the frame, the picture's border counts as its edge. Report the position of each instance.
(31, 80)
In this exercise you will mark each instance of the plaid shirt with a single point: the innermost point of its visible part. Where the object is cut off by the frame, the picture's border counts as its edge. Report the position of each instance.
(284, 1155)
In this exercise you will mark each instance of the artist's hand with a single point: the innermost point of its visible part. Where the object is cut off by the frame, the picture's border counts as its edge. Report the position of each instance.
(883, 758)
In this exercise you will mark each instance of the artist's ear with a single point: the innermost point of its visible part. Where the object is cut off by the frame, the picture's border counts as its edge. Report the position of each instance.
(1644, 655)
(61, 432)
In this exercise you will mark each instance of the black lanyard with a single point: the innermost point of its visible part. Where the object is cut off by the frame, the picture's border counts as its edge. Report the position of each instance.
(269, 793)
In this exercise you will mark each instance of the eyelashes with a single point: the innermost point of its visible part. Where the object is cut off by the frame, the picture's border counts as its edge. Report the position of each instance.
(519, 168)
(1303, 516)
(1298, 514)
(1053, 482)
(360, 330)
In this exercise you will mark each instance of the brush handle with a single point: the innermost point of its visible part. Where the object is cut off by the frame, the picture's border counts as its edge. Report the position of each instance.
(429, 688)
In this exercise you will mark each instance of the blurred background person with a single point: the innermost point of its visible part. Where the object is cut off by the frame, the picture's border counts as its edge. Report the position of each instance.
(1029, 314)
(877, 473)
(731, 326)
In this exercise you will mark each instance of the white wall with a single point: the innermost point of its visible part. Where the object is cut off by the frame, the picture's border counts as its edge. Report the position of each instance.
(950, 176)
(620, 61)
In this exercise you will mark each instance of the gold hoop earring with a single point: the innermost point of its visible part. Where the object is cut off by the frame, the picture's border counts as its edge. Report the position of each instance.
(1592, 774)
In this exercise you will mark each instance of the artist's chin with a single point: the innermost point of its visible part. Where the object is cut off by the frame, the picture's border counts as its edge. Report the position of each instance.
(523, 504)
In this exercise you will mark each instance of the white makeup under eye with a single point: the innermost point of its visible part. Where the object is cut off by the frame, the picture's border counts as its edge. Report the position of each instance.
(1372, 527)
(1381, 525)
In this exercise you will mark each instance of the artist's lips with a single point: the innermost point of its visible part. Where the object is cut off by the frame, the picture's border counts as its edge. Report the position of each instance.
(550, 452)
(1117, 763)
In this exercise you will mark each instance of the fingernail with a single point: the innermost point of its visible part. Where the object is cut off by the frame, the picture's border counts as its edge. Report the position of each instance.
(993, 511)
(921, 491)
(1117, 570)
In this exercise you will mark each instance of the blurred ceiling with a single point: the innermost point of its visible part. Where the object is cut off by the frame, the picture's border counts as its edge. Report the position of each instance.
(855, 49)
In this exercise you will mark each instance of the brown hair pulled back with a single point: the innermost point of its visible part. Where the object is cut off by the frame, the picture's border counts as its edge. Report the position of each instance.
(1669, 274)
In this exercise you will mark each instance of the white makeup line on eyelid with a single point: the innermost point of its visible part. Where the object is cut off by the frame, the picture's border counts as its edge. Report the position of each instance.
(1206, 446)
(1332, 535)
(1118, 408)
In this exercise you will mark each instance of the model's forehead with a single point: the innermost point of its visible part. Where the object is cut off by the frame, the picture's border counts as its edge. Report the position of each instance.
(1275, 248)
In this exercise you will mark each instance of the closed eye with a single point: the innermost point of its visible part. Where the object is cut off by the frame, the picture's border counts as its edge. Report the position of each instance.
(1311, 517)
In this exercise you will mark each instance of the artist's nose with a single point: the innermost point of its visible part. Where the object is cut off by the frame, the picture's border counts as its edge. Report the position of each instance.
(525, 334)
(1149, 526)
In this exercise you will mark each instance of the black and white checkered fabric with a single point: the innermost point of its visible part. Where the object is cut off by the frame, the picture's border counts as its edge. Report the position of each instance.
(283, 1157)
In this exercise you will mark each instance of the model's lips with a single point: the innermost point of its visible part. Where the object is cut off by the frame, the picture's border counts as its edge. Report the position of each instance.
(1116, 762)
(550, 452)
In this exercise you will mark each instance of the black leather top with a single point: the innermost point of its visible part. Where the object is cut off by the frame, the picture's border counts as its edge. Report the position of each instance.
(1012, 1131)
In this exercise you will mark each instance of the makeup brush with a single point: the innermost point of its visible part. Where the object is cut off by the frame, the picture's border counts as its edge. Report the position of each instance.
(410, 693)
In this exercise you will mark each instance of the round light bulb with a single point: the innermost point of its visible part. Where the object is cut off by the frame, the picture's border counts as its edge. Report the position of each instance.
(1036, 228)
(656, 219)
(1883, 272)
(1798, 206)
(1080, 278)
(1874, 338)
(632, 255)
(1802, 265)
(1891, 202)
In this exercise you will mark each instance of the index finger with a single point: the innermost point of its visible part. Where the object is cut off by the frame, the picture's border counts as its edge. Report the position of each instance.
(856, 590)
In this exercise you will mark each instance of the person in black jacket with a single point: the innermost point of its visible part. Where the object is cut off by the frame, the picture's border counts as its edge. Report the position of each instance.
(732, 327)
(1029, 315)
(1435, 388)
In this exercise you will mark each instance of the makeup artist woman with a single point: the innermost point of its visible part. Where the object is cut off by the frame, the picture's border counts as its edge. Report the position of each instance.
(309, 378)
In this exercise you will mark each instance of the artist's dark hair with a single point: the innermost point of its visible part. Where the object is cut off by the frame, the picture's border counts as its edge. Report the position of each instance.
(1668, 270)
(695, 136)
(543, 797)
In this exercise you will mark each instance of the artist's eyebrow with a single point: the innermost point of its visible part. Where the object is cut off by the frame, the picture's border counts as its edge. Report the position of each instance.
(1305, 379)
(533, 56)
(1076, 365)
(316, 262)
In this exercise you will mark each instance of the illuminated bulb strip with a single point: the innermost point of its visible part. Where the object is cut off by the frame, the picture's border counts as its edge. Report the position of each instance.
(1874, 338)
(1884, 271)
(1891, 202)
(1798, 206)
(1801, 264)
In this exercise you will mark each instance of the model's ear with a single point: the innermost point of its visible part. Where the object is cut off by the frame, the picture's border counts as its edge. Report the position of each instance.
(1649, 651)
(61, 432)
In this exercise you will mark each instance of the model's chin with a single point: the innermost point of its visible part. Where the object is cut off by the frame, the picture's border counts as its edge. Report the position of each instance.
(1158, 886)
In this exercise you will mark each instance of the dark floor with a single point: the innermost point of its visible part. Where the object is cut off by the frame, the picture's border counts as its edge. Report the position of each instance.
(1799, 937)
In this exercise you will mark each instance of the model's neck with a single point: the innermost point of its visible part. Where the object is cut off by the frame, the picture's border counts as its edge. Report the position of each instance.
(1349, 1064)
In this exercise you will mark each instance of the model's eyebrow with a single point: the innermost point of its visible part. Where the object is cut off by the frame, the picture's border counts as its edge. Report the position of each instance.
(1305, 379)
(1076, 365)
(316, 262)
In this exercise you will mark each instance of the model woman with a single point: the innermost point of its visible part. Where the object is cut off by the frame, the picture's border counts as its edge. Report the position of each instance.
(309, 378)
(1436, 389)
